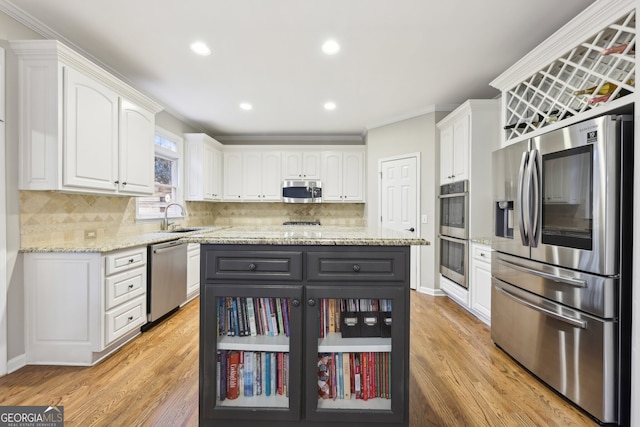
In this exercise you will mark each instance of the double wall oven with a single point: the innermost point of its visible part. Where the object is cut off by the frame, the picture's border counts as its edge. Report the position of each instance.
(454, 231)
(561, 268)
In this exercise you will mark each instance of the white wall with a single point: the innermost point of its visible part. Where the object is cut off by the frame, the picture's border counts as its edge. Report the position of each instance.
(418, 134)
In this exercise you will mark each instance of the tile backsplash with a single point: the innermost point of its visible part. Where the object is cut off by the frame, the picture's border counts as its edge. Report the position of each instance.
(47, 216)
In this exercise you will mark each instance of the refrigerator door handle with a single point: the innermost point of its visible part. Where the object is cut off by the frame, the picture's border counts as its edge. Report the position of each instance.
(524, 208)
(566, 319)
(578, 283)
(535, 192)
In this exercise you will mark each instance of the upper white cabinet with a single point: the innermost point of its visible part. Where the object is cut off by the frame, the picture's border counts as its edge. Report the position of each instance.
(81, 129)
(342, 175)
(300, 164)
(203, 168)
(233, 174)
(262, 176)
(454, 150)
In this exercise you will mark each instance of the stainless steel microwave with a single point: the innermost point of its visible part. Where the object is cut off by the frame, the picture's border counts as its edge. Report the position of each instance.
(302, 191)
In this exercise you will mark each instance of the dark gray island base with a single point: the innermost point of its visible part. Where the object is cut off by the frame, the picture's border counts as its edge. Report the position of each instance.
(304, 335)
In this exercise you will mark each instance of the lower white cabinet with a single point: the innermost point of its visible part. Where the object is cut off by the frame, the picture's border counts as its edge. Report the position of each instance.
(193, 270)
(80, 307)
(480, 283)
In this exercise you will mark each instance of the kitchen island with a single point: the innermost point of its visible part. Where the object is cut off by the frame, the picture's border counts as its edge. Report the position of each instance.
(304, 325)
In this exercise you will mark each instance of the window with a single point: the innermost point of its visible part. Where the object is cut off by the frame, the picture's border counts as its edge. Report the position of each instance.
(168, 165)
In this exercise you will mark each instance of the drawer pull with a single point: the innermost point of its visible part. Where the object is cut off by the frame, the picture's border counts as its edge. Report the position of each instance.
(130, 318)
(295, 302)
(356, 267)
(131, 286)
(252, 267)
(131, 260)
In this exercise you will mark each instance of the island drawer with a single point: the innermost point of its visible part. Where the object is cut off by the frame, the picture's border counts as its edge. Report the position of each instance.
(366, 266)
(256, 264)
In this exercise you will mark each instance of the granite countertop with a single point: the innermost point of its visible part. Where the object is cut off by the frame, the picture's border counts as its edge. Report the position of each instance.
(252, 235)
(482, 240)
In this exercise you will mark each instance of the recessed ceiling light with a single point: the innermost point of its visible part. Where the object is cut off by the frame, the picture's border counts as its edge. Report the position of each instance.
(329, 106)
(331, 47)
(246, 106)
(200, 48)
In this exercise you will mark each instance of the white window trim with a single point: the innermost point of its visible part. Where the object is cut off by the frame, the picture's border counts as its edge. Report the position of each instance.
(179, 156)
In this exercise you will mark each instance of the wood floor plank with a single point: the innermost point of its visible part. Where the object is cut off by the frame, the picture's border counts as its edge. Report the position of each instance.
(458, 378)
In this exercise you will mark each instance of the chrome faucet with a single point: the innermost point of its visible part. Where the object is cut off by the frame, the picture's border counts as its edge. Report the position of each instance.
(165, 222)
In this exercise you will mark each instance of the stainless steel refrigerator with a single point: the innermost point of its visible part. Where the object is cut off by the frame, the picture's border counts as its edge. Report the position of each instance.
(561, 269)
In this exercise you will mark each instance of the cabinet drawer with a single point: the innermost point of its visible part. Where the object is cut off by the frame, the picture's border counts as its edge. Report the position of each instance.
(125, 318)
(122, 287)
(482, 253)
(125, 260)
(370, 267)
(263, 265)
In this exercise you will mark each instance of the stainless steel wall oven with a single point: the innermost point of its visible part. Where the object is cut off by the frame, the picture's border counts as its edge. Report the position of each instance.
(561, 269)
(454, 231)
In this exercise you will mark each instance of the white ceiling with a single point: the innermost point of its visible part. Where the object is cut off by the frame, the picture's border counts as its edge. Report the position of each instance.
(399, 58)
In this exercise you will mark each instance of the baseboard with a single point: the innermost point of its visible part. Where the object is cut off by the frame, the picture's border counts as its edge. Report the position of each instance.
(16, 363)
(431, 291)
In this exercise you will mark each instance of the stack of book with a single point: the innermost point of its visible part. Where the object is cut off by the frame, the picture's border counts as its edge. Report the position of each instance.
(240, 316)
(347, 376)
(252, 373)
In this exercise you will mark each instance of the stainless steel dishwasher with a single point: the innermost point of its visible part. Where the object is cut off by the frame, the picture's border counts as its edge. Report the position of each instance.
(167, 279)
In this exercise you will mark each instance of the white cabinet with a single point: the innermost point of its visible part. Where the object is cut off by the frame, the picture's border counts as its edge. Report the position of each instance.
(300, 164)
(81, 129)
(454, 151)
(80, 307)
(262, 176)
(343, 176)
(252, 175)
(193, 270)
(203, 168)
(480, 281)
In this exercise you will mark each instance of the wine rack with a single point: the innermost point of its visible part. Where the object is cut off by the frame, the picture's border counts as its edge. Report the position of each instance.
(603, 66)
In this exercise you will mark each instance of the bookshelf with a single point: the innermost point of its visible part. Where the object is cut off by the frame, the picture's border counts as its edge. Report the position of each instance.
(313, 340)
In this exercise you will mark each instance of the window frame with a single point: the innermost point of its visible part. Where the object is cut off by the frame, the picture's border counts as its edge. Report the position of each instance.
(178, 157)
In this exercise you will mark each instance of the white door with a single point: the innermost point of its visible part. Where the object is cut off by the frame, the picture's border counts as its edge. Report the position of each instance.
(3, 232)
(399, 200)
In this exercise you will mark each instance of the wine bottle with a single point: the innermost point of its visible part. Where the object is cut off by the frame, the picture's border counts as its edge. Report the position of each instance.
(606, 89)
(618, 49)
(534, 120)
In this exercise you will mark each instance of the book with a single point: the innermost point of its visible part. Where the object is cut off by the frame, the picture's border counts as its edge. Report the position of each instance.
(364, 361)
(357, 378)
(274, 374)
(267, 374)
(259, 373)
(248, 373)
(222, 378)
(346, 372)
(332, 315)
(285, 314)
(232, 380)
(253, 330)
(274, 320)
(279, 315)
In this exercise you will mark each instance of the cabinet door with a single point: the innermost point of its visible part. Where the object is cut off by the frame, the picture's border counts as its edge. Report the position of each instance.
(332, 176)
(461, 149)
(292, 165)
(271, 176)
(260, 328)
(252, 178)
(136, 150)
(91, 129)
(446, 155)
(353, 176)
(215, 174)
(232, 176)
(480, 286)
(356, 354)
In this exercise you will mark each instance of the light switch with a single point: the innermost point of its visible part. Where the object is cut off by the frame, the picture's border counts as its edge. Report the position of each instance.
(424, 219)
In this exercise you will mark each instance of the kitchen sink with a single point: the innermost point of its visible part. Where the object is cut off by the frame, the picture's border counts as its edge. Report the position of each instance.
(186, 230)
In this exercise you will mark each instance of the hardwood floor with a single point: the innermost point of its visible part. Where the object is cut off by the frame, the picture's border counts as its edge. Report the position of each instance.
(458, 378)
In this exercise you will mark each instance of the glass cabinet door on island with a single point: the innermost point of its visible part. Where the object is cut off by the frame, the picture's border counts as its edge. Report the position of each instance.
(356, 366)
(254, 334)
